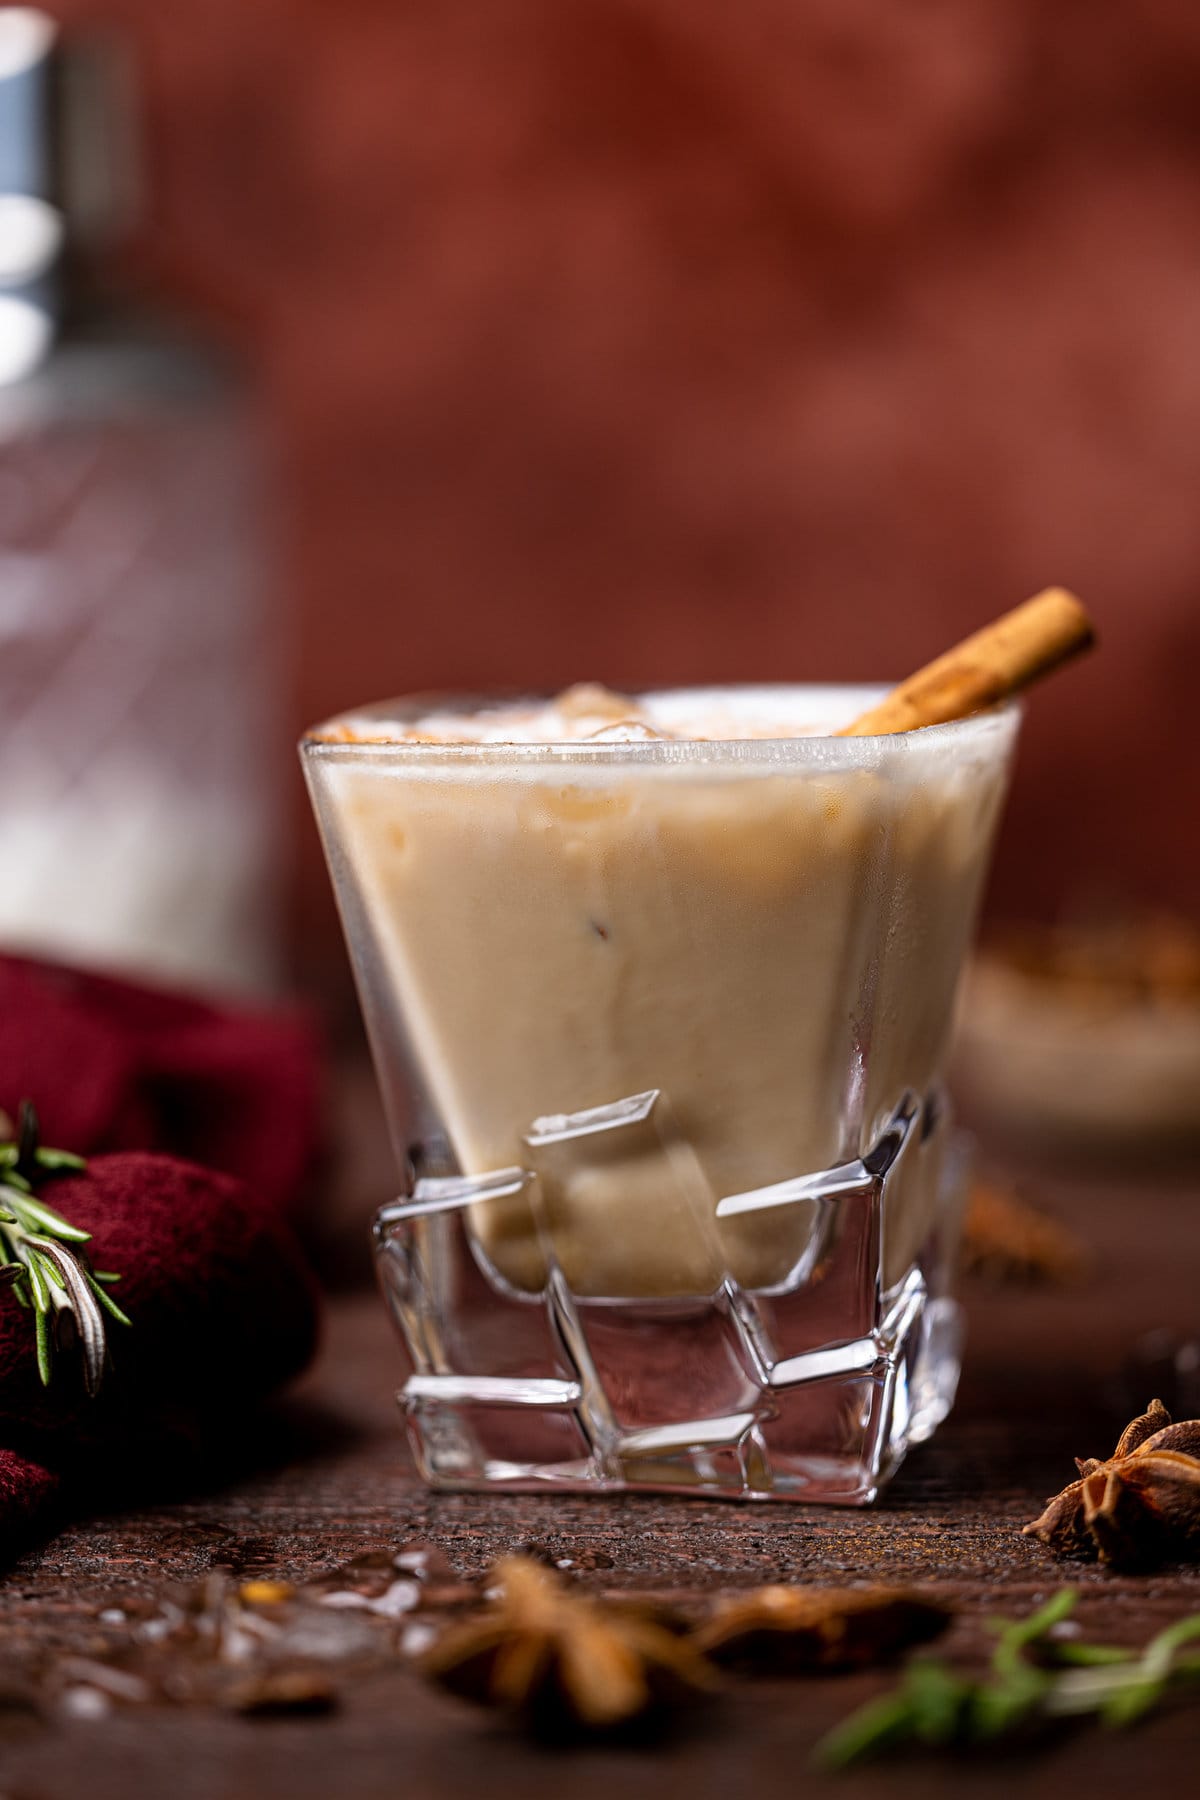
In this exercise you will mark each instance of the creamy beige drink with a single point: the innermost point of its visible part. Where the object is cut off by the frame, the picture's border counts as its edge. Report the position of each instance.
(703, 893)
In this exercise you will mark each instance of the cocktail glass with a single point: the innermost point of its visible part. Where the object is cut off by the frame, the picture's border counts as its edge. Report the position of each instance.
(659, 1027)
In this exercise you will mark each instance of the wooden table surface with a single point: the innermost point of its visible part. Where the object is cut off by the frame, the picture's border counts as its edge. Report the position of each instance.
(1049, 1374)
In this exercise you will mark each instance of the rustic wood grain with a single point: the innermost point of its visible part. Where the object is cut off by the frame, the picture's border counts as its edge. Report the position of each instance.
(1050, 1374)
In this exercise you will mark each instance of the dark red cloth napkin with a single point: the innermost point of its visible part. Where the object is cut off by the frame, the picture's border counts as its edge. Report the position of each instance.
(200, 1125)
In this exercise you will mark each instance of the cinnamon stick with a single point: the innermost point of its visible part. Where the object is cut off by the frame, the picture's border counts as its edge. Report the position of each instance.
(1019, 647)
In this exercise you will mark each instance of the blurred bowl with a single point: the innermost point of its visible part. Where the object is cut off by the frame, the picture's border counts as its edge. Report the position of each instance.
(1086, 1040)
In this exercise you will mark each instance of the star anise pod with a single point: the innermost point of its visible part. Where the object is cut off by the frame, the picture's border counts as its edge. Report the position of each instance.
(560, 1659)
(1140, 1507)
(779, 1630)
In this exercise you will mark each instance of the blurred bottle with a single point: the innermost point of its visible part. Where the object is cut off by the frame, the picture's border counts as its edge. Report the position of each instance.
(140, 683)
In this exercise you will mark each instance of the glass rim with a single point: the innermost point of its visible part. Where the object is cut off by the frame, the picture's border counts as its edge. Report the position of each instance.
(992, 727)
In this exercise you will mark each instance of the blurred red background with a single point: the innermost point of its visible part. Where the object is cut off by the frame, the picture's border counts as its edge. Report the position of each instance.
(655, 340)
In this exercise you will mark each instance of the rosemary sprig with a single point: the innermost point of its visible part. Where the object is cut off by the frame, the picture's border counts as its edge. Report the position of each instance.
(936, 1707)
(42, 1260)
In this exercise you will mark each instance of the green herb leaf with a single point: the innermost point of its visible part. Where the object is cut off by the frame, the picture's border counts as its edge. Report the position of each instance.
(935, 1706)
(50, 1272)
(937, 1699)
(39, 1242)
(1015, 1636)
(37, 1284)
(106, 1300)
(42, 1328)
(1091, 1656)
(879, 1725)
(1000, 1707)
(44, 1218)
(52, 1161)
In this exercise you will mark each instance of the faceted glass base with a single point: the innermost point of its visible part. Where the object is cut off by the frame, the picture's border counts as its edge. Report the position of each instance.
(811, 1389)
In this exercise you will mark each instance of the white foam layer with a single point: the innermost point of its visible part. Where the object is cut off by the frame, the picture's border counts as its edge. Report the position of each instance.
(588, 713)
